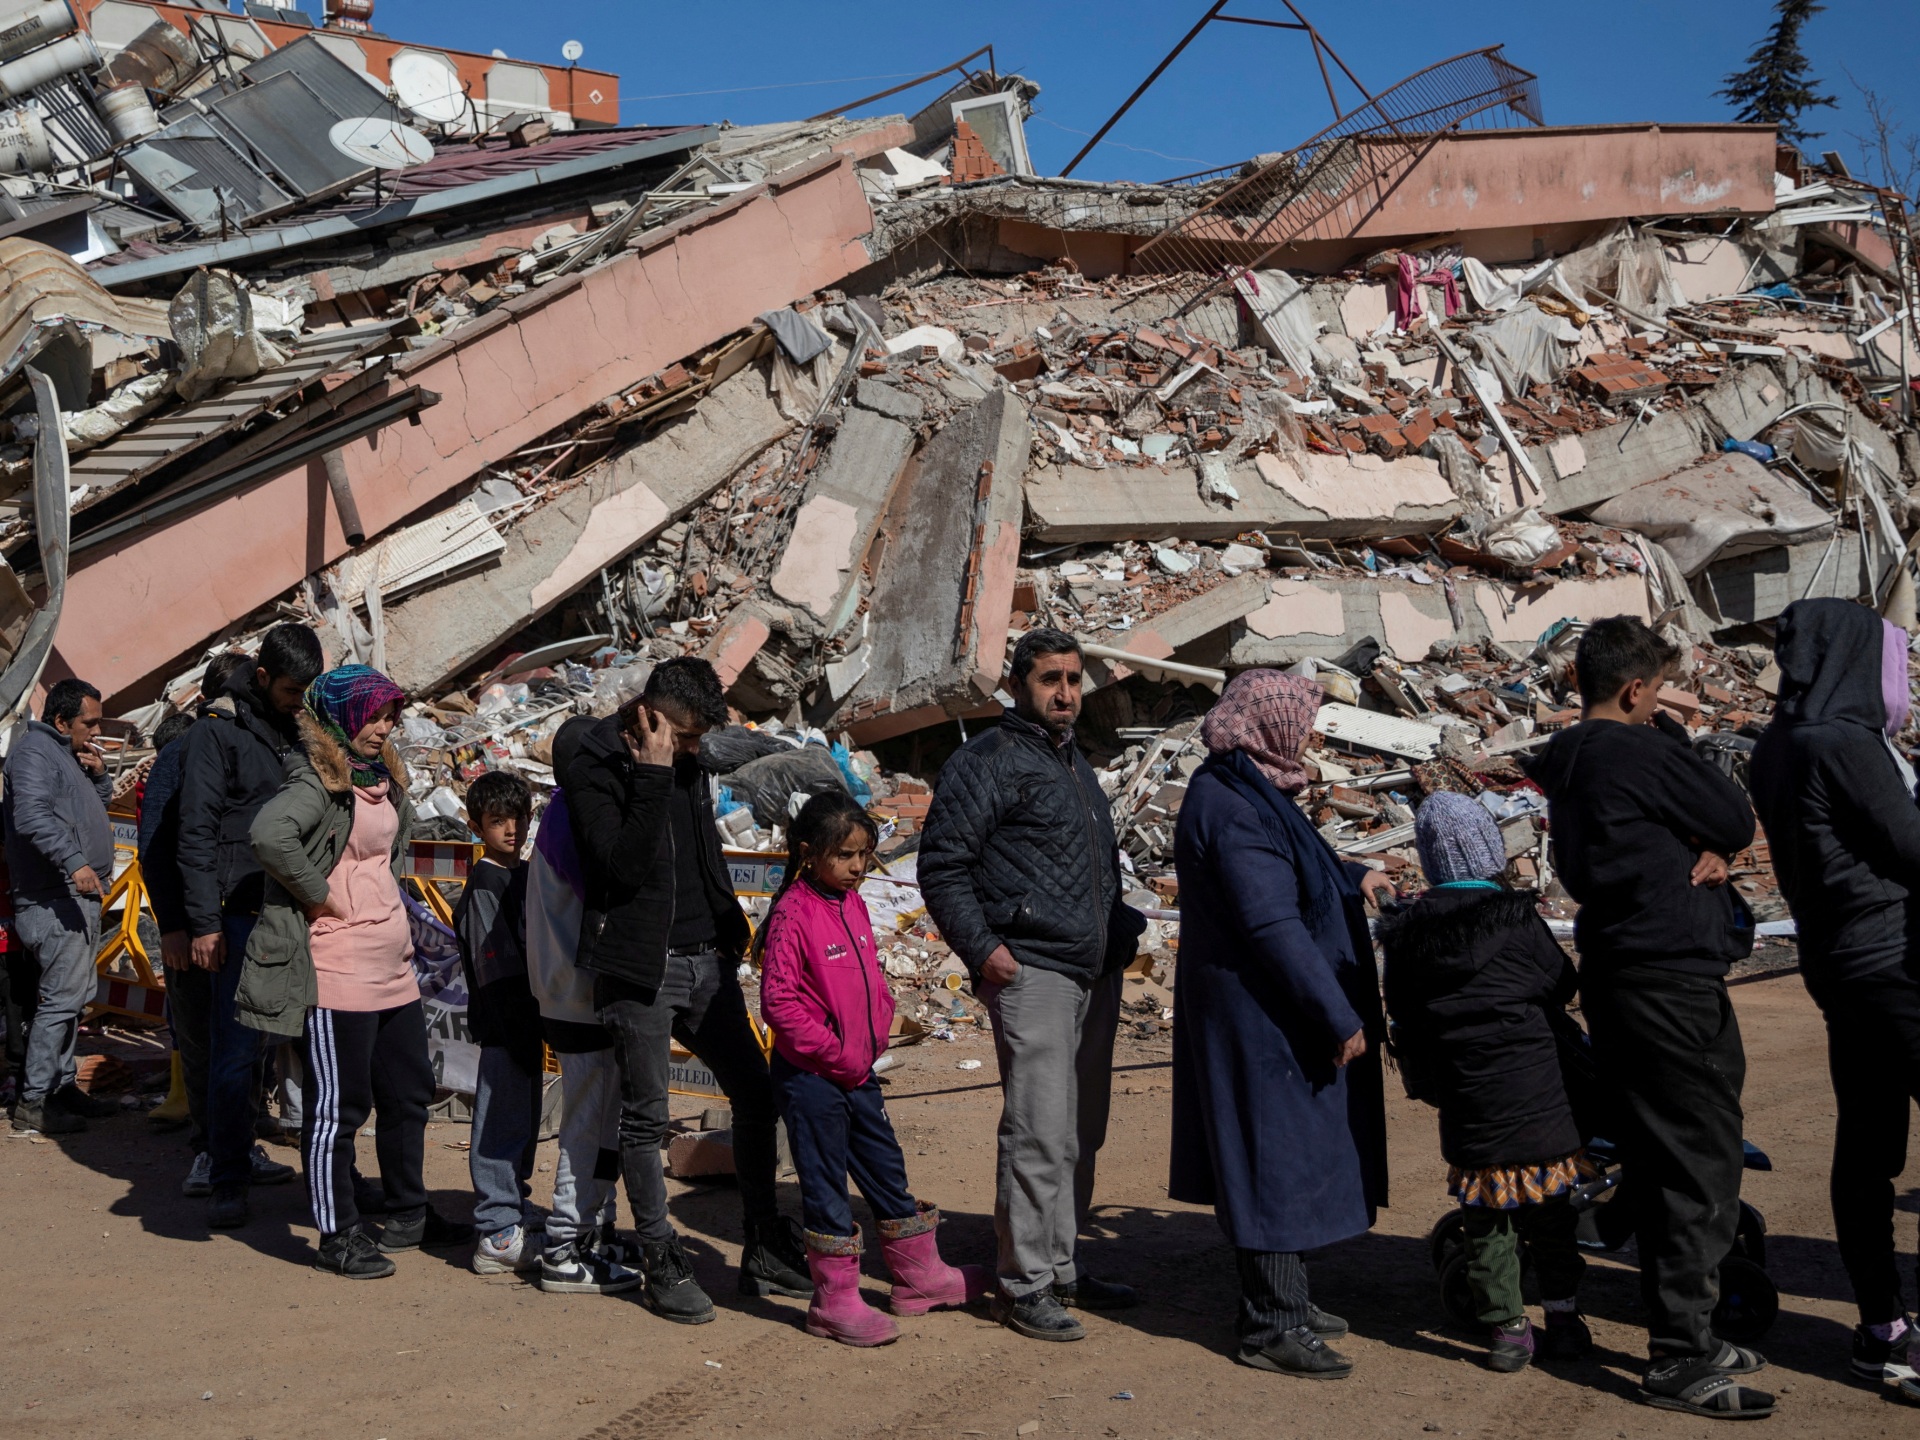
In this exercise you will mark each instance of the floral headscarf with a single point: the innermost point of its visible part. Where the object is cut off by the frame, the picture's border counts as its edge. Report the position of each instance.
(1269, 715)
(343, 700)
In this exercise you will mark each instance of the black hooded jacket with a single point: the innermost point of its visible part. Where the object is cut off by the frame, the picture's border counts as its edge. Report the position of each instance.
(232, 762)
(1474, 981)
(1842, 825)
(623, 831)
(1630, 809)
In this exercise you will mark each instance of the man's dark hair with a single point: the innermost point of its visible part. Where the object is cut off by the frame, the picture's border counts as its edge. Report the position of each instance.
(498, 792)
(1614, 653)
(1036, 643)
(691, 686)
(221, 670)
(292, 652)
(171, 729)
(66, 699)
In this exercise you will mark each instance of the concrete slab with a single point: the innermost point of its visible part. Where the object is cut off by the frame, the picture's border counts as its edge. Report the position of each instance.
(533, 364)
(955, 515)
(1408, 619)
(841, 513)
(1759, 586)
(553, 550)
(1313, 495)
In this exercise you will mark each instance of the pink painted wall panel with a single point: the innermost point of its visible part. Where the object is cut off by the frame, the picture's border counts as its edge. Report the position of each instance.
(505, 381)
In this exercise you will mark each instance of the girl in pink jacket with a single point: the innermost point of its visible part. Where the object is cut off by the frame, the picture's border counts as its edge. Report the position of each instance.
(824, 995)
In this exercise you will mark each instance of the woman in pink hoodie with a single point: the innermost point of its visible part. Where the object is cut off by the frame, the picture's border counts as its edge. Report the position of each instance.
(824, 995)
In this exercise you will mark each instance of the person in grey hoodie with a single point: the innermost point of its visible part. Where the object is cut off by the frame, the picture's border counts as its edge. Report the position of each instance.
(60, 853)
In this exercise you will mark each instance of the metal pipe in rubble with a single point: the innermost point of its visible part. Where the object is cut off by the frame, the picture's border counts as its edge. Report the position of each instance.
(343, 502)
(1201, 673)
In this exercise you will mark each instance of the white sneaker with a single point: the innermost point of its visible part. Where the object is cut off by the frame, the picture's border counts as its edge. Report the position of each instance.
(199, 1182)
(509, 1252)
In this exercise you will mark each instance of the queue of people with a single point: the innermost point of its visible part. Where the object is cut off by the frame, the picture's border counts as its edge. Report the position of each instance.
(275, 821)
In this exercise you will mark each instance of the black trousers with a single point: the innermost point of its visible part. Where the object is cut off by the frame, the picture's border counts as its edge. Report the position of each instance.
(1273, 1296)
(699, 1003)
(359, 1061)
(1668, 1049)
(1873, 1054)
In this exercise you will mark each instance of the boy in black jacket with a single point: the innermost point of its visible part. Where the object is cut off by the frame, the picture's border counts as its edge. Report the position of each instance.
(1642, 831)
(491, 922)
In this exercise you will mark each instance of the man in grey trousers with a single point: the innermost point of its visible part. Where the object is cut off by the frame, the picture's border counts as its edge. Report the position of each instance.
(60, 853)
(1020, 869)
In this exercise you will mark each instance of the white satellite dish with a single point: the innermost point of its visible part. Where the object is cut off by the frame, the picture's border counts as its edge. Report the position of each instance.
(429, 87)
(572, 50)
(383, 144)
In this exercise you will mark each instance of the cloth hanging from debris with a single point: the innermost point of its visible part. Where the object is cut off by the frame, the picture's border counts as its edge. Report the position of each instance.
(1277, 304)
(1415, 270)
(1524, 347)
(1624, 266)
(798, 335)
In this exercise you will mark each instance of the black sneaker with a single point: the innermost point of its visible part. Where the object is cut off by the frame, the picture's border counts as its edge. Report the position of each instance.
(45, 1117)
(227, 1210)
(352, 1254)
(1037, 1316)
(425, 1229)
(672, 1293)
(579, 1268)
(76, 1101)
(1566, 1337)
(1298, 1352)
(1881, 1360)
(1087, 1293)
(1327, 1327)
(775, 1261)
(265, 1170)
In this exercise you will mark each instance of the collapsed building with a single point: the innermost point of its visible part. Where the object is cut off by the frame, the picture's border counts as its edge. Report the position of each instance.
(846, 405)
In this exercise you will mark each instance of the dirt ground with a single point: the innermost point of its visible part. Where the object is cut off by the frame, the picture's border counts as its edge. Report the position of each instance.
(123, 1316)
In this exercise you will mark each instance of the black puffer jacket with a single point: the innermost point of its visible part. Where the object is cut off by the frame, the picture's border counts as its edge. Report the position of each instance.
(1841, 821)
(1019, 851)
(623, 830)
(1473, 982)
(231, 763)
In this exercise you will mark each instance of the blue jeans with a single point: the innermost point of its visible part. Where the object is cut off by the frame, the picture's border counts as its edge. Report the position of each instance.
(63, 932)
(836, 1133)
(506, 1132)
(233, 1054)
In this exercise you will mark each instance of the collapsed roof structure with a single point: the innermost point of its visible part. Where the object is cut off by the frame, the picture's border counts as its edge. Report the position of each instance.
(844, 404)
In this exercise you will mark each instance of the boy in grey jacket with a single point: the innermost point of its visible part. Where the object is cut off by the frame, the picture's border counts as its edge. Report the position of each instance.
(60, 853)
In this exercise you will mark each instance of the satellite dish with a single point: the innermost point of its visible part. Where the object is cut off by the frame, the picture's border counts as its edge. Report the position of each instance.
(383, 144)
(572, 50)
(428, 86)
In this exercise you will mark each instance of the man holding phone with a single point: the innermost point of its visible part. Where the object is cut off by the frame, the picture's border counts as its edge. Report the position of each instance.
(60, 851)
(663, 936)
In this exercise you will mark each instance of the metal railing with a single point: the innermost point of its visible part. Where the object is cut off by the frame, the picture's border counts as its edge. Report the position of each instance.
(1330, 186)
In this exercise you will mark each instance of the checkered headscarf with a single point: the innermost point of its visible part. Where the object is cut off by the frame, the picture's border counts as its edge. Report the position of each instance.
(1269, 715)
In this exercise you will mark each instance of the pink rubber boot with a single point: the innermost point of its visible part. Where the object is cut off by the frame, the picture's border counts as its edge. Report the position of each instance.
(837, 1311)
(922, 1281)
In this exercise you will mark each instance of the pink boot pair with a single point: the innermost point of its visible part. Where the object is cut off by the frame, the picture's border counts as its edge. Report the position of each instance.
(922, 1281)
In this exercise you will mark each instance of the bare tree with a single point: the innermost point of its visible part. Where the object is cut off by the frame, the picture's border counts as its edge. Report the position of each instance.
(1890, 151)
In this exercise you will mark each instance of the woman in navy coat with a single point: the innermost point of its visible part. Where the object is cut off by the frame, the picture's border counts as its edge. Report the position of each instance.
(1279, 1118)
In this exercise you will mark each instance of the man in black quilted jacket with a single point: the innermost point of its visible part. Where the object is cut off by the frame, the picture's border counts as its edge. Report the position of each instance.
(1020, 870)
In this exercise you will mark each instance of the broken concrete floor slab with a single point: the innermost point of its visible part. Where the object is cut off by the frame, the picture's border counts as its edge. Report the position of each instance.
(1305, 493)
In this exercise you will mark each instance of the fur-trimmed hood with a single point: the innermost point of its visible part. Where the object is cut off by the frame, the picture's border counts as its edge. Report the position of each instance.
(1449, 931)
(329, 758)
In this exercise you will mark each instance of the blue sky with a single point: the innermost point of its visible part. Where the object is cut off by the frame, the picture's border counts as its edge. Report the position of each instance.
(1235, 92)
